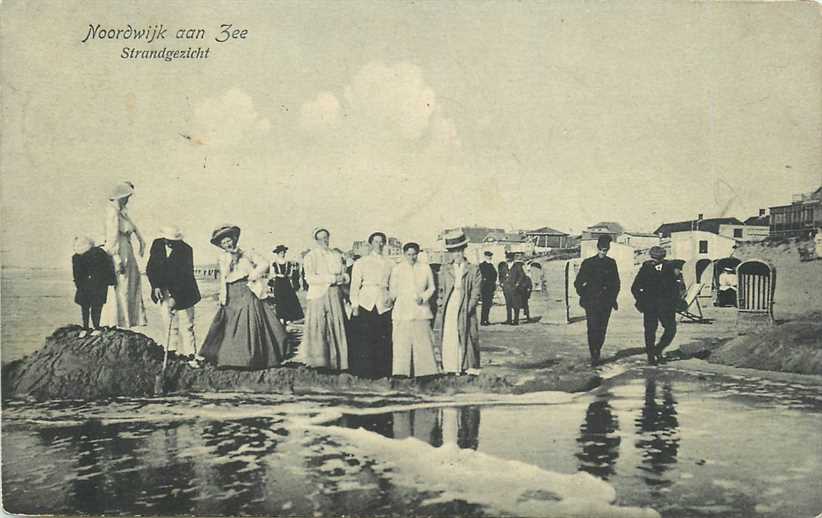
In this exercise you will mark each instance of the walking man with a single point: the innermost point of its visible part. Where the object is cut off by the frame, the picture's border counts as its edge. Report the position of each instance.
(657, 293)
(371, 305)
(488, 286)
(597, 285)
(170, 271)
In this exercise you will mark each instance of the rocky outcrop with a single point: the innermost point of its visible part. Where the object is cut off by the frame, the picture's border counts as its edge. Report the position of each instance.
(124, 364)
(791, 347)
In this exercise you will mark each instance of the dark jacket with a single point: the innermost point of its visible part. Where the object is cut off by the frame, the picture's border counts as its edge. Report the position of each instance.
(656, 287)
(502, 268)
(93, 273)
(597, 282)
(173, 272)
(489, 277)
(514, 284)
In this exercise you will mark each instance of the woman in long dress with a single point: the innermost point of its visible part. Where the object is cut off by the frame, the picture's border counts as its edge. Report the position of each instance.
(325, 342)
(245, 332)
(127, 309)
(411, 286)
(285, 299)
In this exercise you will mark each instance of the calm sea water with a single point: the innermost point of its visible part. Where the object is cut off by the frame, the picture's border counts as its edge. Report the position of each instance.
(34, 303)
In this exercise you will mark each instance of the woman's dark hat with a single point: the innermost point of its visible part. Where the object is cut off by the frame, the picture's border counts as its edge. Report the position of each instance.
(375, 234)
(225, 231)
(410, 245)
(280, 248)
(657, 252)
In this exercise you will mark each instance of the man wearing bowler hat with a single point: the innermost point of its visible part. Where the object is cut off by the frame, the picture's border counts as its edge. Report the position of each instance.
(170, 271)
(597, 285)
(489, 286)
(656, 289)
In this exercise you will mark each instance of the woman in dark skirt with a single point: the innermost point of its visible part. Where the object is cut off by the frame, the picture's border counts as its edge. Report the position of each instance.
(93, 274)
(245, 333)
(285, 299)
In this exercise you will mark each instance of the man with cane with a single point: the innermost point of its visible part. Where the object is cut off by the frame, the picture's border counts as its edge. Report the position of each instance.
(170, 271)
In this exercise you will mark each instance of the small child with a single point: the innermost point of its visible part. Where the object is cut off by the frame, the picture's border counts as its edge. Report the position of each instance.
(93, 274)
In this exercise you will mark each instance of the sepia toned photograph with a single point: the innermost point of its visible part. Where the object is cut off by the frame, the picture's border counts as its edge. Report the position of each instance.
(362, 258)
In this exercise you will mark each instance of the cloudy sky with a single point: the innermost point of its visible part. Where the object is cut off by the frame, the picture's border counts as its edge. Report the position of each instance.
(404, 117)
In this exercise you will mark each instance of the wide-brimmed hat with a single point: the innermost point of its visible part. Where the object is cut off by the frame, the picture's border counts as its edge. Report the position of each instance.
(280, 248)
(121, 190)
(375, 234)
(83, 244)
(657, 252)
(409, 245)
(317, 230)
(225, 231)
(455, 240)
(171, 233)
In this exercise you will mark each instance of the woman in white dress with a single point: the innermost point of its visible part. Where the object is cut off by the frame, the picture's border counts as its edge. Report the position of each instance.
(127, 309)
(411, 286)
(325, 340)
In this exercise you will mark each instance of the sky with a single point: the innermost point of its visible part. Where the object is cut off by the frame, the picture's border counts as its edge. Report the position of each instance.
(405, 117)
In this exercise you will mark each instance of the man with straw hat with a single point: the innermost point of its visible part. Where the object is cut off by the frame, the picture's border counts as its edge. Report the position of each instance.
(458, 297)
(657, 293)
(170, 271)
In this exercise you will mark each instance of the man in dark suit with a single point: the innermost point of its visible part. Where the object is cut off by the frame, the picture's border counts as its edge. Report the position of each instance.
(170, 271)
(597, 285)
(487, 287)
(504, 270)
(656, 289)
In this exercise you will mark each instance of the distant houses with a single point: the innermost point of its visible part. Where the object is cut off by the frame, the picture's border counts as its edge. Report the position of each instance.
(393, 248)
(799, 218)
(728, 227)
(547, 238)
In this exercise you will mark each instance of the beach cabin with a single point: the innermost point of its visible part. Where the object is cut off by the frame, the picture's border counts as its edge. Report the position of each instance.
(718, 267)
(699, 249)
(757, 284)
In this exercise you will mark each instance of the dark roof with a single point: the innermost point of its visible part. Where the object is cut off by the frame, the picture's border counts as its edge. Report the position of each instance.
(613, 227)
(547, 230)
(759, 221)
(474, 234)
(505, 236)
(706, 225)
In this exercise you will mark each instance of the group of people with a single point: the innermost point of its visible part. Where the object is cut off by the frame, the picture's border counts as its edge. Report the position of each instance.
(658, 290)
(516, 284)
(387, 329)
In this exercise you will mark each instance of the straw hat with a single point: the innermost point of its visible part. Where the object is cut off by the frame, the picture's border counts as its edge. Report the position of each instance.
(455, 240)
(226, 230)
(121, 190)
(375, 234)
(317, 230)
(171, 233)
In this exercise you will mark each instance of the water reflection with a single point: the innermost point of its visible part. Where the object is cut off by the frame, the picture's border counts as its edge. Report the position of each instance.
(598, 439)
(658, 428)
(435, 426)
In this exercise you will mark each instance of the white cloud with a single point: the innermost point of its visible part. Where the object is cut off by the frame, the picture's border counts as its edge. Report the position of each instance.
(226, 120)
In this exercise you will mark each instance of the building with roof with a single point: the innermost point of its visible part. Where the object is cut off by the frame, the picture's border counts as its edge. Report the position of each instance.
(699, 224)
(603, 228)
(486, 239)
(547, 238)
(799, 218)
(393, 248)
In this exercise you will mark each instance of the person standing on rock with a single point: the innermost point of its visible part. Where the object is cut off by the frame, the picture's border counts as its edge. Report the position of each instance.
(371, 305)
(489, 286)
(128, 309)
(170, 270)
(411, 287)
(93, 274)
(656, 289)
(245, 332)
(597, 285)
(458, 297)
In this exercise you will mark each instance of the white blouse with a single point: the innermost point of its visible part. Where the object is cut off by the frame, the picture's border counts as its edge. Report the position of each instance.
(240, 265)
(407, 283)
(321, 268)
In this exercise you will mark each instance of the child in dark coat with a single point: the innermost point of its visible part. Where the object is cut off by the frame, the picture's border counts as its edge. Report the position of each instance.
(93, 274)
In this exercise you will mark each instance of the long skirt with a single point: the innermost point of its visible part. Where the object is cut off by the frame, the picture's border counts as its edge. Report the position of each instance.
(288, 305)
(369, 350)
(452, 350)
(126, 308)
(245, 333)
(414, 348)
(325, 343)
